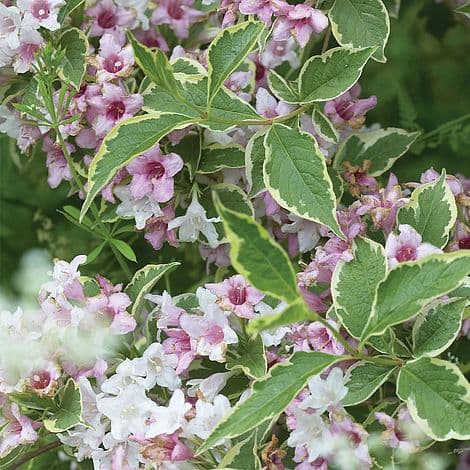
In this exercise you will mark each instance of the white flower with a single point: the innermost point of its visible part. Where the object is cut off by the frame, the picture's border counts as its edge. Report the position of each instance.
(161, 368)
(39, 13)
(10, 26)
(325, 393)
(208, 387)
(127, 373)
(9, 122)
(139, 209)
(140, 8)
(307, 232)
(193, 222)
(273, 336)
(312, 433)
(169, 419)
(208, 416)
(128, 412)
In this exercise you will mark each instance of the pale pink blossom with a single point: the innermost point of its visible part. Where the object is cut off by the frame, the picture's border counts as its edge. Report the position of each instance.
(107, 17)
(111, 106)
(114, 60)
(407, 246)
(153, 173)
(178, 14)
(157, 230)
(236, 295)
(349, 109)
(41, 13)
(56, 162)
(299, 21)
(30, 43)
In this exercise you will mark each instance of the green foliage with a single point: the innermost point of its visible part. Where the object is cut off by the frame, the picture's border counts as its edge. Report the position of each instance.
(364, 378)
(361, 23)
(227, 52)
(409, 286)
(296, 176)
(270, 395)
(74, 64)
(381, 148)
(257, 257)
(143, 282)
(354, 285)
(249, 357)
(438, 397)
(69, 411)
(431, 212)
(435, 331)
(325, 77)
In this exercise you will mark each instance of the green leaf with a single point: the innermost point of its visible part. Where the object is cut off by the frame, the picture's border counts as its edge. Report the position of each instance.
(256, 256)
(155, 65)
(435, 331)
(254, 161)
(69, 8)
(364, 378)
(69, 412)
(32, 400)
(74, 65)
(232, 197)
(282, 89)
(464, 10)
(361, 23)
(227, 52)
(323, 127)
(124, 248)
(126, 141)
(381, 147)
(409, 286)
(158, 99)
(250, 357)
(189, 148)
(431, 211)
(293, 313)
(325, 77)
(270, 395)
(143, 282)
(438, 398)
(296, 176)
(354, 284)
(215, 158)
(243, 455)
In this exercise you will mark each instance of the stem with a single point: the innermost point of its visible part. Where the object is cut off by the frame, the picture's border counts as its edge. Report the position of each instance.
(32, 455)
(122, 262)
(326, 40)
(356, 354)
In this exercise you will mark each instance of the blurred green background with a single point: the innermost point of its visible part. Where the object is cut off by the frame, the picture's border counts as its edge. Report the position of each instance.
(423, 86)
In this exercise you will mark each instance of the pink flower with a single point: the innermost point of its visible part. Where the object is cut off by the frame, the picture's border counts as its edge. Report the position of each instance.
(407, 246)
(358, 179)
(112, 106)
(268, 106)
(461, 237)
(236, 295)
(44, 380)
(107, 17)
(178, 14)
(41, 13)
(348, 109)
(166, 447)
(431, 175)
(153, 173)
(30, 43)
(383, 206)
(400, 433)
(113, 303)
(239, 81)
(113, 59)
(157, 229)
(219, 256)
(299, 21)
(317, 337)
(16, 428)
(262, 8)
(179, 343)
(57, 165)
(152, 38)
